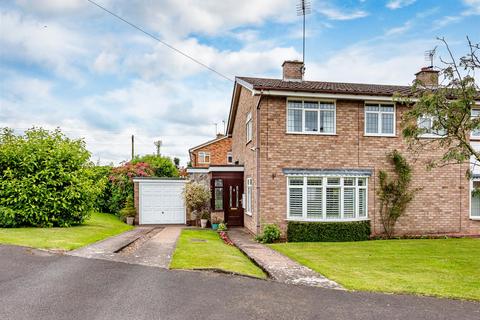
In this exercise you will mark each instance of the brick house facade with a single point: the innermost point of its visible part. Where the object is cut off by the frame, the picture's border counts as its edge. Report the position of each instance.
(277, 161)
(213, 152)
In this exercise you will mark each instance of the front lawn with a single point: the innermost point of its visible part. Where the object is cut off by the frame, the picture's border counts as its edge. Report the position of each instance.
(98, 227)
(204, 249)
(438, 267)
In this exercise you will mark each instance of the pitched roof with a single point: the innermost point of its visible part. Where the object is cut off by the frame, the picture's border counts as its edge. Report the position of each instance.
(325, 87)
(207, 143)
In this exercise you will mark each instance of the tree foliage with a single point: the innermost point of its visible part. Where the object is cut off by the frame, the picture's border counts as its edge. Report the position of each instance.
(162, 166)
(394, 193)
(450, 107)
(45, 179)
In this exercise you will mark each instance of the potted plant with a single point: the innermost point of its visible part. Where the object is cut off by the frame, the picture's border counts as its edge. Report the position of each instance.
(204, 218)
(197, 198)
(215, 222)
(128, 212)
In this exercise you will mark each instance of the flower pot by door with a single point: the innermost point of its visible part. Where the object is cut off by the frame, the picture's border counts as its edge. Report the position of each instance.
(203, 223)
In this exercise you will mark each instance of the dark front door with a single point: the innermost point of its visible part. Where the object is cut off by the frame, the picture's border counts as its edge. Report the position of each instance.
(233, 191)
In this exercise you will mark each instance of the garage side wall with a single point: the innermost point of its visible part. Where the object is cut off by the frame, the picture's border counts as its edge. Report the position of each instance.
(136, 202)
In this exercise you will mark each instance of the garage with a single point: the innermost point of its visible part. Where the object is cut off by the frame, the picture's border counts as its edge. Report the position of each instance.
(160, 201)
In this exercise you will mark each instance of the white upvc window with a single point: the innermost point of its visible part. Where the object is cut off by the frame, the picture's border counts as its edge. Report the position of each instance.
(249, 127)
(329, 198)
(311, 116)
(248, 206)
(379, 119)
(426, 122)
(203, 157)
(475, 134)
(475, 199)
(229, 157)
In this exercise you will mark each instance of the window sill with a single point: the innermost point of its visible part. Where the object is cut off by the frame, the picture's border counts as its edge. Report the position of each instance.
(327, 220)
(248, 213)
(380, 135)
(475, 218)
(312, 133)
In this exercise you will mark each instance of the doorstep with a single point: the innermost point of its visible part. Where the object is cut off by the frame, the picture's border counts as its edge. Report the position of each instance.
(278, 266)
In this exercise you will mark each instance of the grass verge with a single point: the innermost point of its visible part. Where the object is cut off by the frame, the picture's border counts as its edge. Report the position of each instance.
(204, 249)
(438, 267)
(98, 227)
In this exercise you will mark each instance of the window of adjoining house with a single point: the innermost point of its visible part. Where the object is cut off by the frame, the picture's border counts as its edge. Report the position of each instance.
(314, 117)
(379, 119)
(204, 157)
(426, 123)
(327, 198)
(475, 134)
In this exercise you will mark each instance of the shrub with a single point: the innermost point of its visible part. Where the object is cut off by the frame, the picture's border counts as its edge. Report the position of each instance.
(9, 218)
(161, 166)
(45, 179)
(129, 209)
(271, 233)
(197, 197)
(222, 227)
(328, 231)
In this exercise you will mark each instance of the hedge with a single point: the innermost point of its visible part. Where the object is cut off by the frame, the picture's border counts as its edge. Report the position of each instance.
(328, 231)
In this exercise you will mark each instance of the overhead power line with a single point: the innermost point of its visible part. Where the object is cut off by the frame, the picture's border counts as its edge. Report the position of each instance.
(161, 41)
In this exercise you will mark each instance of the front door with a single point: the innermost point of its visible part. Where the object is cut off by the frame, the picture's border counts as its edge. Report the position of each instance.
(233, 191)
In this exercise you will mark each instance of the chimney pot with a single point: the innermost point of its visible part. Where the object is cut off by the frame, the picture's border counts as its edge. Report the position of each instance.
(427, 77)
(293, 70)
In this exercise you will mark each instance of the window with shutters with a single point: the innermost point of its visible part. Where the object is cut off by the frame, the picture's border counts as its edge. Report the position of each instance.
(329, 198)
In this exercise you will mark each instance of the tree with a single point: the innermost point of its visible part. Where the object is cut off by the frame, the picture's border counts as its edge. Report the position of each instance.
(394, 193)
(449, 107)
(45, 179)
(162, 166)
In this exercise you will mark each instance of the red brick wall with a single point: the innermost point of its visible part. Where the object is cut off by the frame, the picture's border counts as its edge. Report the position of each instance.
(442, 206)
(218, 153)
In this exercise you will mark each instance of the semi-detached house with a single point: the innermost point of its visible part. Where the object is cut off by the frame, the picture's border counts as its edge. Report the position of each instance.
(311, 151)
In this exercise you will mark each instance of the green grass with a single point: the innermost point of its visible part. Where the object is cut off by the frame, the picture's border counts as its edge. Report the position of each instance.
(98, 227)
(437, 267)
(204, 249)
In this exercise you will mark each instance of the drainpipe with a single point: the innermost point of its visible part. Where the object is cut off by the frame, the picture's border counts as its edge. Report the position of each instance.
(257, 155)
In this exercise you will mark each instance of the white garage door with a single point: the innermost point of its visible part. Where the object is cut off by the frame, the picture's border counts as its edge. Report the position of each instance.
(161, 202)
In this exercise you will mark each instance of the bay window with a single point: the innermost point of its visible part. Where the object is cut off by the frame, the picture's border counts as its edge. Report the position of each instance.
(327, 198)
(307, 116)
(379, 119)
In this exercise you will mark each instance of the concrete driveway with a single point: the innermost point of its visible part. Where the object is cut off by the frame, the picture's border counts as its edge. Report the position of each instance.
(40, 285)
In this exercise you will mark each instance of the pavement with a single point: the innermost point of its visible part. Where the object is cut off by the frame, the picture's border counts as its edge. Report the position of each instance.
(148, 246)
(278, 266)
(42, 285)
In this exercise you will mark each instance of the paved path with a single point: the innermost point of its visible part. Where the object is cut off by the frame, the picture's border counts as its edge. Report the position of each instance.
(43, 286)
(149, 246)
(278, 266)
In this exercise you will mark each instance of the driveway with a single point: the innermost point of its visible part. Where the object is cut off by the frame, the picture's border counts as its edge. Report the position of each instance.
(40, 285)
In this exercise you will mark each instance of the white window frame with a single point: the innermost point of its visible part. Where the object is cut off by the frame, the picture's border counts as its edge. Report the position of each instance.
(379, 114)
(471, 216)
(249, 192)
(305, 217)
(229, 157)
(249, 127)
(472, 136)
(203, 154)
(429, 135)
(334, 102)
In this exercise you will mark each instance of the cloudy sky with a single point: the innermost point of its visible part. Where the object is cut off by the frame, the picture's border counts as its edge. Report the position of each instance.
(68, 64)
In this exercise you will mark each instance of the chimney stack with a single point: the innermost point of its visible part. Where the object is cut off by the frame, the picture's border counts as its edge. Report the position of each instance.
(293, 70)
(427, 77)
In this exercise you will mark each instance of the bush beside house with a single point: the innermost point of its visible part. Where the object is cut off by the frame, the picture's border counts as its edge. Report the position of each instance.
(328, 231)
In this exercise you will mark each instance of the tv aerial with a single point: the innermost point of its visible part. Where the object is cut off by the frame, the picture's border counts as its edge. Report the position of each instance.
(304, 7)
(430, 56)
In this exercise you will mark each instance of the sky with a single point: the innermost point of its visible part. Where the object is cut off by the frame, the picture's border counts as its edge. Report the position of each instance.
(68, 64)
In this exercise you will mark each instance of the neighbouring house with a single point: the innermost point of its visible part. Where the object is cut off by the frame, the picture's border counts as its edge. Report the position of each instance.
(312, 150)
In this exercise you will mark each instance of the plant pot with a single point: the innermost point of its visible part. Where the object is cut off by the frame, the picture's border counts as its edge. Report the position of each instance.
(130, 220)
(215, 226)
(203, 223)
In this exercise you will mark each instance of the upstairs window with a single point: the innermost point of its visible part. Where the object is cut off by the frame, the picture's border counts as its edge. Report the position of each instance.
(249, 127)
(427, 124)
(475, 134)
(204, 157)
(229, 157)
(305, 116)
(379, 119)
